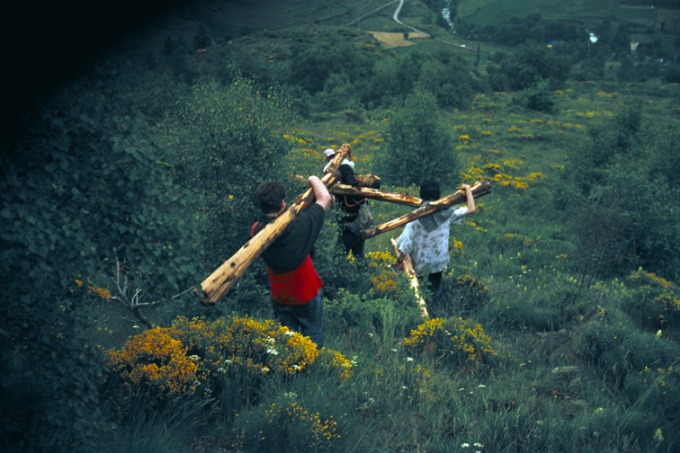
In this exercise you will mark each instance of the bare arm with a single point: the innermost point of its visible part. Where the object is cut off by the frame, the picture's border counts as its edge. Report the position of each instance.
(470, 198)
(323, 198)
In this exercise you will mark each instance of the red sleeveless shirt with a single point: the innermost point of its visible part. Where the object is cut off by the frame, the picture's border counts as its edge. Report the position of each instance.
(296, 287)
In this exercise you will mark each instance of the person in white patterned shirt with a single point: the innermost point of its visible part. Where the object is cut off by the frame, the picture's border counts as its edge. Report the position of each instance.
(426, 240)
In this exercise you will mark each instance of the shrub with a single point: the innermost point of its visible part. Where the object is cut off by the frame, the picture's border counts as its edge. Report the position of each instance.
(455, 340)
(470, 292)
(419, 146)
(285, 423)
(155, 360)
(530, 63)
(235, 135)
(448, 79)
(538, 97)
(191, 353)
(617, 350)
(653, 300)
(623, 181)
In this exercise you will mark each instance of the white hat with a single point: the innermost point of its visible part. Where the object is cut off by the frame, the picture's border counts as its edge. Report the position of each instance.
(329, 153)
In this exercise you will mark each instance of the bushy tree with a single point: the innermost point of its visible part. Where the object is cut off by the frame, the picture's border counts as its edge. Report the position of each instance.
(220, 144)
(393, 77)
(101, 183)
(538, 97)
(531, 63)
(314, 60)
(87, 189)
(448, 79)
(624, 195)
(419, 146)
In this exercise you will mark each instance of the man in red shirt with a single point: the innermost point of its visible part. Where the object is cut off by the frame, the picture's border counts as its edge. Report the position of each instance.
(295, 284)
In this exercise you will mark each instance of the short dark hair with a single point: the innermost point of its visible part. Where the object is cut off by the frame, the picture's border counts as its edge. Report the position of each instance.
(347, 175)
(429, 190)
(270, 195)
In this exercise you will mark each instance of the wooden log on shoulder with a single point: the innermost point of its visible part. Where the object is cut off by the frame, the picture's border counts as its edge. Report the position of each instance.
(368, 180)
(479, 189)
(410, 272)
(224, 277)
(376, 194)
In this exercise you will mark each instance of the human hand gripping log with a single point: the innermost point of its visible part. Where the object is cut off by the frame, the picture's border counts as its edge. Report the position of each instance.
(224, 277)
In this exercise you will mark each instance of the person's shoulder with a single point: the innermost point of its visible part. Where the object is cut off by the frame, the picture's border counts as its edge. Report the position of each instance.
(315, 210)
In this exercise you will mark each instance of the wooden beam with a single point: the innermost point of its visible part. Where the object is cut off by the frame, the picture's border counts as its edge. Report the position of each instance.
(224, 277)
(376, 194)
(410, 272)
(479, 189)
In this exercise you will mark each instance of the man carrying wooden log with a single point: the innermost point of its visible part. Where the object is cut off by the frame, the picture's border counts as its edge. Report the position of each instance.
(330, 153)
(355, 214)
(295, 285)
(426, 240)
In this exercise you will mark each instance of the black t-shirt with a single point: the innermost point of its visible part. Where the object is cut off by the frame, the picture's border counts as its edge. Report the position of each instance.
(290, 250)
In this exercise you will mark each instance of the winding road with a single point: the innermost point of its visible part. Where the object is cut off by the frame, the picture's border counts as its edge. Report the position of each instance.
(395, 16)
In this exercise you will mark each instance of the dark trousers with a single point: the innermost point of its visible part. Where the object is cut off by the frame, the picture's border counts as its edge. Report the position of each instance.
(306, 318)
(353, 243)
(435, 280)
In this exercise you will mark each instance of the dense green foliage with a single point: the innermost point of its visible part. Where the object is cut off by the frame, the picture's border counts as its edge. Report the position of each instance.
(419, 146)
(560, 317)
(624, 189)
(105, 183)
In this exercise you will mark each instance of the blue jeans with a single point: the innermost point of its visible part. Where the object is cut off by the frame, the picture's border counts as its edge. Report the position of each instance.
(306, 318)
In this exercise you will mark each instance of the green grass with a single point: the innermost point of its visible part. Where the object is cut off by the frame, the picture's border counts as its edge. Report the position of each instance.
(575, 368)
(491, 12)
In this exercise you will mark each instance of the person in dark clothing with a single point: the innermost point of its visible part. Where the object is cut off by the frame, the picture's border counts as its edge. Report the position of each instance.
(295, 284)
(349, 207)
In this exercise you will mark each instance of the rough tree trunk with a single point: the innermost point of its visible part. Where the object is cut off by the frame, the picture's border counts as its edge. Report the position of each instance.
(376, 194)
(410, 271)
(479, 189)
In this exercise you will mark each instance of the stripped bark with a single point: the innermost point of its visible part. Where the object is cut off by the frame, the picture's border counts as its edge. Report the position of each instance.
(376, 194)
(410, 272)
(479, 189)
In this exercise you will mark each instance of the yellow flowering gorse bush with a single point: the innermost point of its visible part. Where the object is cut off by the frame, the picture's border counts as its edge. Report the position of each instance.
(382, 278)
(156, 359)
(658, 295)
(191, 351)
(455, 339)
(323, 431)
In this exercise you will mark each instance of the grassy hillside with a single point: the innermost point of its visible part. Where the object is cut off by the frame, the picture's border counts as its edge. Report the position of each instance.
(138, 182)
